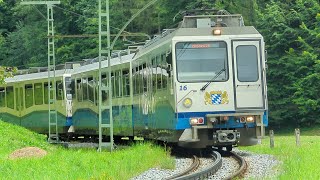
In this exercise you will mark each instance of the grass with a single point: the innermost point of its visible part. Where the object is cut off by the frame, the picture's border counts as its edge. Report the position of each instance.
(298, 162)
(63, 163)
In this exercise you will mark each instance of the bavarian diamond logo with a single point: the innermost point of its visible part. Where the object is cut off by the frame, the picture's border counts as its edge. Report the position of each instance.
(216, 98)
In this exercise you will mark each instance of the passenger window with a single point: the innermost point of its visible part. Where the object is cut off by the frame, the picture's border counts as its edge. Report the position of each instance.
(164, 71)
(85, 88)
(79, 90)
(59, 90)
(113, 85)
(247, 63)
(154, 74)
(10, 97)
(46, 98)
(19, 98)
(126, 82)
(2, 97)
(159, 73)
(104, 82)
(38, 91)
(134, 80)
(118, 84)
(28, 95)
(91, 89)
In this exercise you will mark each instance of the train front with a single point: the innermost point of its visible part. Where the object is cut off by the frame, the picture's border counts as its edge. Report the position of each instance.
(220, 84)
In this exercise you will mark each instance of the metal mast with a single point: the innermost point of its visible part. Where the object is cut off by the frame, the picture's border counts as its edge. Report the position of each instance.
(104, 49)
(52, 99)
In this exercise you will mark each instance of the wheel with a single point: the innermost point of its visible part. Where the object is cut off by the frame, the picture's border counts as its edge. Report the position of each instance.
(229, 148)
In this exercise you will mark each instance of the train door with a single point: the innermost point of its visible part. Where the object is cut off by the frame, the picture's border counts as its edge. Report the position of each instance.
(248, 81)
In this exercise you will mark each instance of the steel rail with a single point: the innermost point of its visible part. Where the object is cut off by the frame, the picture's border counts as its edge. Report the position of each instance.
(213, 168)
(242, 168)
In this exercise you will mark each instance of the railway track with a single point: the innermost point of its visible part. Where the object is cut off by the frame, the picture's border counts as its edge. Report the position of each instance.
(206, 172)
(193, 171)
(242, 166)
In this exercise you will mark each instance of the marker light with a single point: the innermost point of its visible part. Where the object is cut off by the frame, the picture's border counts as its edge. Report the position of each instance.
(187, 102)
(196, 120)
(217, 32)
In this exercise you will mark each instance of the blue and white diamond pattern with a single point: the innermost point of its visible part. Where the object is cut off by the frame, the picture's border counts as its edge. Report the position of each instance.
(216, 98)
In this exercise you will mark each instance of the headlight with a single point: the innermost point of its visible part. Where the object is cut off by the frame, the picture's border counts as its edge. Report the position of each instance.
(187, 102)
(250, 119)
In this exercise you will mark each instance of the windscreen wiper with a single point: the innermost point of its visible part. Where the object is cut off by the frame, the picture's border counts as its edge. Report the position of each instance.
(214, 78)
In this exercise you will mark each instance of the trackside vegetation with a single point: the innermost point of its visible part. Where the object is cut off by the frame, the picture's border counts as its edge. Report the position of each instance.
(61, 163)
(298, 162)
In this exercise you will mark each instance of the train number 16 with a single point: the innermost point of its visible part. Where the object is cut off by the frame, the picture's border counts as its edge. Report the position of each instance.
(183, 88)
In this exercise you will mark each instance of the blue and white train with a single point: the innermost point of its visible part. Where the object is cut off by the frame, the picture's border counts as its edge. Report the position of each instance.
(199, 85)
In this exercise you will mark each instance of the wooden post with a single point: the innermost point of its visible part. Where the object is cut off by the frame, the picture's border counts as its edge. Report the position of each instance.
(271, 138)
(297, 133)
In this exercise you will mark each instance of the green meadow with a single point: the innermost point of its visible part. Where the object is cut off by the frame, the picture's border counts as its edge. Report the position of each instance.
(61, 163)
(298, 162)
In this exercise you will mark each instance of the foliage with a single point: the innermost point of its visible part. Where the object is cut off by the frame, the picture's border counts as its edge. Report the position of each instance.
(291, 31)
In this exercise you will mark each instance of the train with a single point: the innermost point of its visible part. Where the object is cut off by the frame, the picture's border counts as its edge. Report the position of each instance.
(199, 85)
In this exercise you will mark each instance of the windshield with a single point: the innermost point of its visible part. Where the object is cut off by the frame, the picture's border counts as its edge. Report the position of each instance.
(201, 61)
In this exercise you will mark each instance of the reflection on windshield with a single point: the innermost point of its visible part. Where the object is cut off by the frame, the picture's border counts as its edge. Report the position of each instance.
(200, 61)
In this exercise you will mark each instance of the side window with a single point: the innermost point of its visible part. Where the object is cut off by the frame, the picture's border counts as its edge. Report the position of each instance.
(159, 72)
(10, 97)
(45, 95)
(247, 63)
(140, 79)
(90, 89)
(113, 78)
(79, 90)
(118, 84)
(144, 77)
(85, 88)
(59, 90)
(135, 72)
(164, 71)
(154, 73)
(104, 82)
(38, 91)
(126, 82)
(28, 95)
(19, 98)
(2, 97)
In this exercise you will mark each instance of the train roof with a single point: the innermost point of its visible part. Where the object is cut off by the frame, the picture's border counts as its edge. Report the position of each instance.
(77, 70)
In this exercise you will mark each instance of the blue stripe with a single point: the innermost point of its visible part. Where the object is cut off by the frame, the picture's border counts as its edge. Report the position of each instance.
(183, 120)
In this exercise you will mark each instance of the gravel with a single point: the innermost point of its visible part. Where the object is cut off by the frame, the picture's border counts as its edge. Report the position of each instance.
(259, 166)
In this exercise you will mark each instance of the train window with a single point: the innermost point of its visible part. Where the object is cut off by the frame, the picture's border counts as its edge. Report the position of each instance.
(2, 97)
(84, 84)
(79, 90)
(91, 88)
(140, 80)
(201, 61)
(38, 91)
(104, 82)
(145, 73)
(10, 97)
(46, 98)
(126, 82)
(118, 84)
(59, 91)
(19, 98)
(73, 88)
(159, 73)
(247, 63)
(113, 84)
(154, 74)
(28, 95)
(164, 65)
(134, 81)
